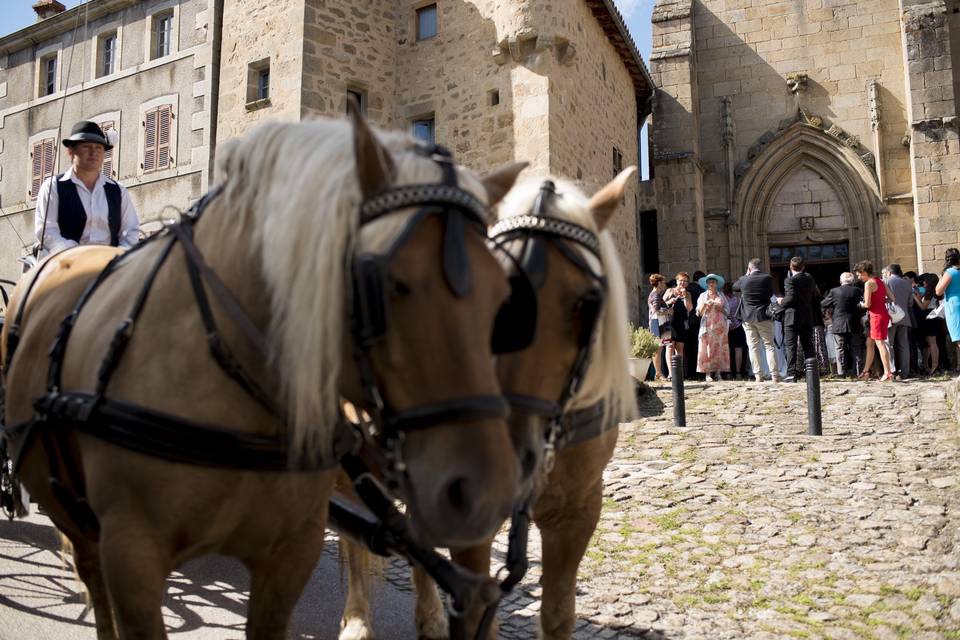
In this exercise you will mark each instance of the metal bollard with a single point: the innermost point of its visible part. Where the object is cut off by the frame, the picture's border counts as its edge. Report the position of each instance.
(814, 417)
(679, 403)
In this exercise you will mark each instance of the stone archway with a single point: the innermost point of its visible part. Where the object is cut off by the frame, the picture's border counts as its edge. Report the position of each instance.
(804, 152)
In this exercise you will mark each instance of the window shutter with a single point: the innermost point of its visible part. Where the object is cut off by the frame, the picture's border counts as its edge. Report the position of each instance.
(150, 141)
(163, 136)
(107, 169)
(36, 174)
(41, 164)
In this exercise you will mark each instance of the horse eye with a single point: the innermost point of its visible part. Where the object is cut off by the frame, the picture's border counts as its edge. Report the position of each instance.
(401, 288)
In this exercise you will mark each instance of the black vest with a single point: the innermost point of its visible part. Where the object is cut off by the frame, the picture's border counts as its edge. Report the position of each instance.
(72, 217)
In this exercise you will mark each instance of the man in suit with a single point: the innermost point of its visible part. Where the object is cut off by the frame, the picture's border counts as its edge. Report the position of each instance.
(799, 290)
(692, 346)
(844, 303)
(898, 338)
(756, 289)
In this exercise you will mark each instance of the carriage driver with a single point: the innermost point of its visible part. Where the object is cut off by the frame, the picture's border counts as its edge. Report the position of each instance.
(81, 205)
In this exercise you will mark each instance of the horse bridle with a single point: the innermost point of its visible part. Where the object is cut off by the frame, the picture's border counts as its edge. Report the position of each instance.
(536, 228)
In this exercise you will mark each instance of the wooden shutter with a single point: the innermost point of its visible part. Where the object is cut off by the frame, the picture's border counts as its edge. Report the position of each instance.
(41, 164)
(150, 141)
(164, 118)
(107, 169)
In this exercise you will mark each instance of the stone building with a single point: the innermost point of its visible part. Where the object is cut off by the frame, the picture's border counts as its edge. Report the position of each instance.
(558, 84)
(140, 68)
(823, 128)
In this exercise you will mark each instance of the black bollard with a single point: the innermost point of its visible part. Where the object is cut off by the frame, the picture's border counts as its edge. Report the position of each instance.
(679, 403)
(814, 417)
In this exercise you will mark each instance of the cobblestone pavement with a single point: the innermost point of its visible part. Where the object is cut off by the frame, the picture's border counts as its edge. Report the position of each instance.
(742, 526)
(737, 526)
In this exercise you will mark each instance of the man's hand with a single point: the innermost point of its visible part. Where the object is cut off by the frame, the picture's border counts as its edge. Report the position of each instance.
(780, 300)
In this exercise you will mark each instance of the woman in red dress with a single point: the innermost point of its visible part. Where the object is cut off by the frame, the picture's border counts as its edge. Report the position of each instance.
(875, 296)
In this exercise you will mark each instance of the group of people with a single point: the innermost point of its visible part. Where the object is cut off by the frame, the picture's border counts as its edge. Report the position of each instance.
(899, 323)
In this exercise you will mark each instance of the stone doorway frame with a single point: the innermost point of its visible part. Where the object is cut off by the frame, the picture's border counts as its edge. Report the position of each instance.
(804, 145)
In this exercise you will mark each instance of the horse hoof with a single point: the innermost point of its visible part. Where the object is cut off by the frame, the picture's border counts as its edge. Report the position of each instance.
(357, 629)
(434, 628)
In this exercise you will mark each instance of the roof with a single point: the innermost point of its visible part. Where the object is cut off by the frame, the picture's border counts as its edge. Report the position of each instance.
(44, 30)
(610, 19)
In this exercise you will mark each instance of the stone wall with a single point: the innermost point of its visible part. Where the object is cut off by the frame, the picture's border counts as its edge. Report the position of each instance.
(806, 195)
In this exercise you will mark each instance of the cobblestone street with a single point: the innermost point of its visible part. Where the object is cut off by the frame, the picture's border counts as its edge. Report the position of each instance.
(741, 526)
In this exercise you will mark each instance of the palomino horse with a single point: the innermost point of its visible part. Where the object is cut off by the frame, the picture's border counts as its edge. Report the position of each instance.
(551, 233)
(380, 281)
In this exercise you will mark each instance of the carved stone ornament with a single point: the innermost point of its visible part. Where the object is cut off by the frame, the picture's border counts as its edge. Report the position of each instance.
(803, 116)
(873, 103)
(726, 120)
(528, 42)
(806, 223)
(796, 82)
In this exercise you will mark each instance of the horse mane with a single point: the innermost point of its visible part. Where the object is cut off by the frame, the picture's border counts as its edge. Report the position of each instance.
(608, 374)
(291, 191)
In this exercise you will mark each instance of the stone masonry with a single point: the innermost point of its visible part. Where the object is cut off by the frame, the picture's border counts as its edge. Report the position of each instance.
(557, 84)
(753, 93)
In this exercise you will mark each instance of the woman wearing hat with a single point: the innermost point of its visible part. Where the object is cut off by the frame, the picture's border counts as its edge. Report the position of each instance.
(81, 205)
(713, 355)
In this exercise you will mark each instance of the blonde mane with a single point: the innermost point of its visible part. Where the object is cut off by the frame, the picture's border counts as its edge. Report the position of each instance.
(295, 186)
(608, 375)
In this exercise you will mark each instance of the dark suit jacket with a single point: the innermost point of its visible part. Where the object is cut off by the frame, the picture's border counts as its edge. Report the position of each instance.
(756, 290)
(798, 293)
(843, 301)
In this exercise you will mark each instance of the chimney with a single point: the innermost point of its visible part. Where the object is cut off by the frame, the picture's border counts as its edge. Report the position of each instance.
(47, 8)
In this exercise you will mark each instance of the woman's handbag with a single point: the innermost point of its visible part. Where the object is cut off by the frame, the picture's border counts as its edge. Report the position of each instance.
(937, 312)
(896, 312)
(775, 311)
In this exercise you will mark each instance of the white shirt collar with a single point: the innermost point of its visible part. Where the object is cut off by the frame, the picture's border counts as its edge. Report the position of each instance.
(70, 175)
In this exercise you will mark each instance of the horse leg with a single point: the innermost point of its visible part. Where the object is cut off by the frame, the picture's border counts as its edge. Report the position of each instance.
(429, 614)
(357, 621)
(565, 538)
(86, 560)
(277, 581)
(134, 573)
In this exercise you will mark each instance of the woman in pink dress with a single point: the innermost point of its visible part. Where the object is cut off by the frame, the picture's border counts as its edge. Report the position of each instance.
(875, 296)
(714, 354)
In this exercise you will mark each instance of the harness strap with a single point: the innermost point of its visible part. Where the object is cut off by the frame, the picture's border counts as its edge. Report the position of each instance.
(456, 410)
(178, 439)
(582, 425)
(197, 268)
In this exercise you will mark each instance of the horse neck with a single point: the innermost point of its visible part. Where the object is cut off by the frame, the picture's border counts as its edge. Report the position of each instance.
(236, 260)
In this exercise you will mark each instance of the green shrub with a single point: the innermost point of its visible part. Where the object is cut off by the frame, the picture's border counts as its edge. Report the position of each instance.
(643, 344)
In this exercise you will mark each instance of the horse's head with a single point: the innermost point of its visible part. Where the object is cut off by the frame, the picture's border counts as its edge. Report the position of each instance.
(427, 291)
(578, 357)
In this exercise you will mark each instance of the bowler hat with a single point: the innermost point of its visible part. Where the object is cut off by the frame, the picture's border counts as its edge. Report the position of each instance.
(86, 131)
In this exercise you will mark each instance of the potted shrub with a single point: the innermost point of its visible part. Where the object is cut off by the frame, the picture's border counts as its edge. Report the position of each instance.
(644, 346)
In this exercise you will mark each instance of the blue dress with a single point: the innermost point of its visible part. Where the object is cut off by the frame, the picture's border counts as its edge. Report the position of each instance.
(951, 302)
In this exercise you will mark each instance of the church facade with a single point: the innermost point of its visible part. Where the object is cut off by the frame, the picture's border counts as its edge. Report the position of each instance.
(821, 128)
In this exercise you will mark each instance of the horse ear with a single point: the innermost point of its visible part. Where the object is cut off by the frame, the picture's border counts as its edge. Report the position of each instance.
(498, 183)
(605, 202)
(375, 168)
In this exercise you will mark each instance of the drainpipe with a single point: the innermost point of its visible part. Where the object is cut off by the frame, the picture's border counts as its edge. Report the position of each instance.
(214, 96)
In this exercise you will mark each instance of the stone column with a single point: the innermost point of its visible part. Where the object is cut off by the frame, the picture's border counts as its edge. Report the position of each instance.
(677, 169)
(934, 141)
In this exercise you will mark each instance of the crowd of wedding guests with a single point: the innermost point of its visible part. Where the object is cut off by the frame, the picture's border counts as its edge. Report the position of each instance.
(888, 325)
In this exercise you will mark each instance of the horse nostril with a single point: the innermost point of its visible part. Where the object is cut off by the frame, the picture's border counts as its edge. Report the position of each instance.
(458, 496)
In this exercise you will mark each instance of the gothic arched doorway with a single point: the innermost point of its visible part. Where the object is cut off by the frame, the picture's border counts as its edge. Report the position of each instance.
(809, 194)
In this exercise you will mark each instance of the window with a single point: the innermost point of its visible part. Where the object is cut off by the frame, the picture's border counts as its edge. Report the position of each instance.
(427, 22)
(156, 138)
(423, 129)
(48, 75)
(360, 97)
(258, 84)
(649, 242)
(107, 169)
(107, 54)
(494, 97)
(42, 158)
(617, 162)
(161, 36)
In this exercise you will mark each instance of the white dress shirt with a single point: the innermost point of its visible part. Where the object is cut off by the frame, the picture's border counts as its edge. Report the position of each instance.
(97, 228)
